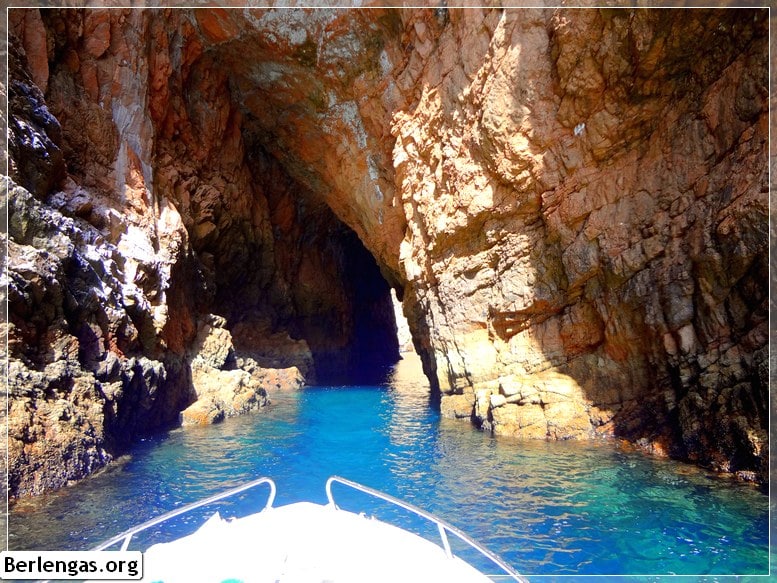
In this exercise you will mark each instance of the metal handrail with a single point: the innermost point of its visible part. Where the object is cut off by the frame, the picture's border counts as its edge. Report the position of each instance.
(442, 526)
(127, 535)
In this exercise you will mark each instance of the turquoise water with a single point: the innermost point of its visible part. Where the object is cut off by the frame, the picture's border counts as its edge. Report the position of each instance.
(547, 508)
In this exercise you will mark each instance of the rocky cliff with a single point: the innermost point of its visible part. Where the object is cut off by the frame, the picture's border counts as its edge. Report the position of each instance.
(571, 205)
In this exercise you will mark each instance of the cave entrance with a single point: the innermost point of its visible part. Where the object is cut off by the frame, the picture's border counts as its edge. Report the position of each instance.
(294, 268)
(340, 303)
(368, 346)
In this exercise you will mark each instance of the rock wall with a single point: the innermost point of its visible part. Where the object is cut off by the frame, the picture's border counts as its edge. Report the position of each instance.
(158, 273)
(571, 205)
(586, 194)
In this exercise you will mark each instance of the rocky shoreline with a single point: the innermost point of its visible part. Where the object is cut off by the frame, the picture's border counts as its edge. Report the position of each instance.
(209, 205)
(78, 394)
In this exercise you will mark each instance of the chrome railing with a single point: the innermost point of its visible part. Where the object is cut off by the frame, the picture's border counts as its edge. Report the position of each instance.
(442, 526)
(126, 536)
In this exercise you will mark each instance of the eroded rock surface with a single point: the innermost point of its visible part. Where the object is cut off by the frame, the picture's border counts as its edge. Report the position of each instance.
(587, 227)
(571, 205)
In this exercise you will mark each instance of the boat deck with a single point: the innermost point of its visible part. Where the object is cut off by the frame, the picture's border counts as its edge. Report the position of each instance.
(304, 543)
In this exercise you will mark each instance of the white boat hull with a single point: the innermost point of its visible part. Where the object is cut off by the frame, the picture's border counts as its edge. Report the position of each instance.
(304, 543)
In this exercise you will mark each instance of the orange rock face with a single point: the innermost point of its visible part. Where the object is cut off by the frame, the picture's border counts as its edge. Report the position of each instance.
(557, 179)
(571, 203)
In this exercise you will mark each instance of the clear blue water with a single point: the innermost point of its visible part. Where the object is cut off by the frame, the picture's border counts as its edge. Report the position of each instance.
(552, 509)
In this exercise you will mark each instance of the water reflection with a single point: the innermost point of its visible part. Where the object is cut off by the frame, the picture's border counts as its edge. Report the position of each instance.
(411, 413)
